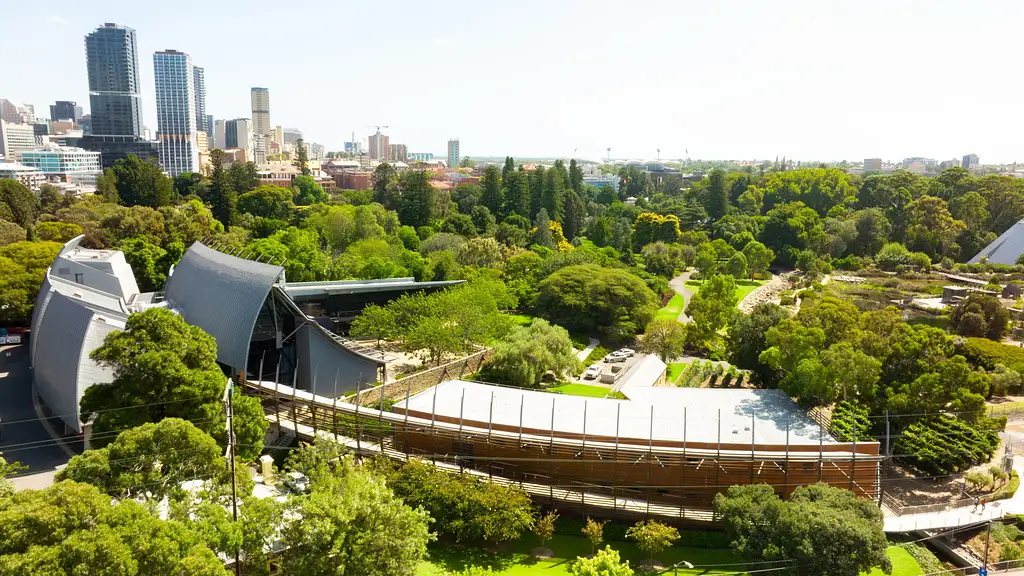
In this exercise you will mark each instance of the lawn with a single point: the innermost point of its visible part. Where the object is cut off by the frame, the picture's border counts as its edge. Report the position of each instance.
(674, 370)
(673, 309)
(743, 287)
(522, 319)
(516, 561)
(580, 390)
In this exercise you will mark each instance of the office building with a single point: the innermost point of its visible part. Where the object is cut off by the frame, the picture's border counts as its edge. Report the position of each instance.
(420, 156)
(16, 113)
(238, 133)
(31, 177)
(355, 148)
(398, 153)
(872, 164)
(72, 165)
(220, 134)
(970, 162)
(115, 123)
(176, 112)
(260, 98)
(210, 129)
(291, 135)
(378, 146)
(15, 138)
(453, 153)
(315, 151)
(64, 110)
(199, 84)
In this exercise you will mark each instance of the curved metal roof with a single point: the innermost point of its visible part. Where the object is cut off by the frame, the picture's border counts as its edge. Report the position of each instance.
(222, 295)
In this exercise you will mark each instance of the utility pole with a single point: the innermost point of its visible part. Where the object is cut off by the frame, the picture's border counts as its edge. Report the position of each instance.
(988, 536)
(231, 446)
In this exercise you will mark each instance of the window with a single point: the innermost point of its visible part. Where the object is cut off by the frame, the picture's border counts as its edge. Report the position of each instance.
(78, 278)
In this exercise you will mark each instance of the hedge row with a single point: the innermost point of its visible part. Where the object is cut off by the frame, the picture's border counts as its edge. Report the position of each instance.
(946, 444)
(844, 415)
(616, 532)
(987, 353)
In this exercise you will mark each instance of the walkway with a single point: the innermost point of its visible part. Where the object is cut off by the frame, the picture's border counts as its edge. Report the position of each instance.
(679, 285)
(963, 516)
(582, 354)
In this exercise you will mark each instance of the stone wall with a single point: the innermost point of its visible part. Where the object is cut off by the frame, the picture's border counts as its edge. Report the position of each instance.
(420, 381)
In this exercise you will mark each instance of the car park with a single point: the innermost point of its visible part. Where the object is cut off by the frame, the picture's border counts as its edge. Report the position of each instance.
(592, 372)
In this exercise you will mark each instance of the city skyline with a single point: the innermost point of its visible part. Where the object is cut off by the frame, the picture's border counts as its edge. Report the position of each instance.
(845, 99)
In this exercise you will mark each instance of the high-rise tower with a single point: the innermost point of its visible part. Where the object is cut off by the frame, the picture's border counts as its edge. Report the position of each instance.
(115, 108)
(176, 111)
(199, 82)
(261, 127)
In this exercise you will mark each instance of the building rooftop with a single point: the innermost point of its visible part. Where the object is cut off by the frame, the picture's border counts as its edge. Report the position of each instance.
(663, 414)
(300, 289)
(15, 167)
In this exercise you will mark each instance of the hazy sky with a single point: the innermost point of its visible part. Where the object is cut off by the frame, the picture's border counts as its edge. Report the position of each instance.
(804, 79)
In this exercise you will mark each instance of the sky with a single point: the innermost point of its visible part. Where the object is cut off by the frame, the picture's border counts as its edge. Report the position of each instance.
(744, 80)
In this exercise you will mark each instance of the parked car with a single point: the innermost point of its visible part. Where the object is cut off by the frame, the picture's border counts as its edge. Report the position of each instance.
(296, 482)
(627, 352)
(593, 372)
(615, 357)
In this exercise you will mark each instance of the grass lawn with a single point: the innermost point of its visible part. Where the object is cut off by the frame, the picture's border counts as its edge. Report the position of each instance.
(1004, 408)
(743, 287)
(674, 370)
(673, 309)
(516, 560)
(580, 390)
(522, 319)
(903, 564)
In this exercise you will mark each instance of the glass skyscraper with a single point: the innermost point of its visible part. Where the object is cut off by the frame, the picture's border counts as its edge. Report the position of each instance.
(199, 81)
(115, 120)
(113, 62)
(176, 112)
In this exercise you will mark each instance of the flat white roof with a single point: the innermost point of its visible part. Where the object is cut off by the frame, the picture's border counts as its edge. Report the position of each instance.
(665, 414)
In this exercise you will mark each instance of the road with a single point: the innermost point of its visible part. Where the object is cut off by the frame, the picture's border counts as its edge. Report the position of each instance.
(679, 285)
(23, 437)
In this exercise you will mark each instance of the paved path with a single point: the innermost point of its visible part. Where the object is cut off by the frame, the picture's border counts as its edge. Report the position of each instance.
(679, 285)
(582, 354)
(963, 516)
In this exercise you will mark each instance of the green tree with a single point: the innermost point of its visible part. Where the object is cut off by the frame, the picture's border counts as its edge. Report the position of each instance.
(593, 531)
(891, 256)
(652, 537)
(552, 197)
(706, 261)
(823, 531)
(106, 186)
(465, 508)
(11, 232)
(662, 259)
(18, 203)
(575, 176)
(148, 261)
(711, 308)
(384, 175)
(492, 193)
(223, 197)
(716, 201)
(22, 267)
(188, 184)
(527, 353)
(148, 461)
(419, 201)
(759, 257)
(306, 190)
(980, 315)
(377, 322)
(481, 253)
(542, 230)
(302, 158)
(71, 528)
(575, 215)
(243, 176)
(57, 231)
(544, 527)
(747, 339)
(267, 201)
(346, 537)
(517, 193)
(163, 367)
(508, 168)
(140, 182)
(737, 266)
(932, 229)
(605, 563)
(590, 298)
(665, 337)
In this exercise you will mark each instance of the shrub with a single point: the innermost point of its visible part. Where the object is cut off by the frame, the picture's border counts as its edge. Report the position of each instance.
(786, 298)
(989, 353)
(946, 444)
(844, 415)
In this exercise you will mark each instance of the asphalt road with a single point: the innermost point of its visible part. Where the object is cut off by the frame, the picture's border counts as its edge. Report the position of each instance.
(23, 437)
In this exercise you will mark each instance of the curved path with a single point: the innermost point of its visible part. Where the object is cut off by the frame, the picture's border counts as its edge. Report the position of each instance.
(679, 285)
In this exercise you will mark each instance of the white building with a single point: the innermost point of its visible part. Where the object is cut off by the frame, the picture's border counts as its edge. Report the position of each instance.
(15, 138)
(72, 165)
(219, 134)
(260, 99)
(30, 177)
(176, 112)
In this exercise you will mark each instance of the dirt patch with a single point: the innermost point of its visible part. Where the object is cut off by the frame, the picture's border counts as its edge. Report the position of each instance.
(912, 491)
